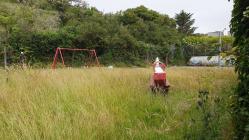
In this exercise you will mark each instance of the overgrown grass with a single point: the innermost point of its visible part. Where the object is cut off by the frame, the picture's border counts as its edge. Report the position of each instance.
(100, 103)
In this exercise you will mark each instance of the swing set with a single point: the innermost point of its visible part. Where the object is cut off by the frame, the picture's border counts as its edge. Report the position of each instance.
(59, 53)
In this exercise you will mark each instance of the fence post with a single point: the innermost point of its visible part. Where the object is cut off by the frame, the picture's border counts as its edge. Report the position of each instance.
(5, 58)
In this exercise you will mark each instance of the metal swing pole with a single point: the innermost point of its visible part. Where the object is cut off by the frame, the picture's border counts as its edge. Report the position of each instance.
(62, 59)
(55, 58)
(96, 58)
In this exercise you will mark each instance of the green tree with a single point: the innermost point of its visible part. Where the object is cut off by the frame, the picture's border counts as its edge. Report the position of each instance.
(240, 30)
(185, 23)
(6, 25)
(131, 37)
(152, 28)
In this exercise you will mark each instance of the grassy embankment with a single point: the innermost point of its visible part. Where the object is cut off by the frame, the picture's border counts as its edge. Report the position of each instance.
(100, 103)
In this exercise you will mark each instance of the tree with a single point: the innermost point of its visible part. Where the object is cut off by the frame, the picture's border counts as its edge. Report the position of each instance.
(185, 22)
(240, 30)
(6, 22)
(151, 27)
(130, 37)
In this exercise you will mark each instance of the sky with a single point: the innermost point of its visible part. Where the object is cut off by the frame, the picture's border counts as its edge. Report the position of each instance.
(209, 15)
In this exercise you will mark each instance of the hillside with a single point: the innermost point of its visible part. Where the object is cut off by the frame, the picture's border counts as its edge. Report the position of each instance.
(131, 37)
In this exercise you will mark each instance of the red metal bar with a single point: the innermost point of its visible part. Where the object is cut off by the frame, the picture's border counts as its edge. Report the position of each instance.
(74, 49)
(59, 50)
(55, 58)
(96, 58)
(62, 59)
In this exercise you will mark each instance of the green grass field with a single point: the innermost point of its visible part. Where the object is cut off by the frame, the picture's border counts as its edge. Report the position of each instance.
(101, 103)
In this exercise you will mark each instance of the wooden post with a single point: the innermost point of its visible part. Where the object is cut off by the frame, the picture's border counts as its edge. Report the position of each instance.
(166, 60)
(5, 58)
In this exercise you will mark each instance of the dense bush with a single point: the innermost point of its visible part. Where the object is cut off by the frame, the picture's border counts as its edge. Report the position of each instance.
(205, 45)
(240, 29)
(132, 37)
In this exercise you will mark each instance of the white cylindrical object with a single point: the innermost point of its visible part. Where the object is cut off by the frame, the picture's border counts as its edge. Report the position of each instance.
(158, 69)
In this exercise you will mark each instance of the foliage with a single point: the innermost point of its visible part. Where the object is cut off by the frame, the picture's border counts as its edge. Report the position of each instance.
(185, 22)
(131, 37)
(213, 113)
(206, 45)
(118, 38)
(240, 30)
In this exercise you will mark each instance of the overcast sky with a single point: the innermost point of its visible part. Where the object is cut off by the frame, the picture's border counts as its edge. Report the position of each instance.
(210, 15)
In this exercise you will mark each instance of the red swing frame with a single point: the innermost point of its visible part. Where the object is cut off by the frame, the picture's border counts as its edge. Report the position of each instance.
(59, 51)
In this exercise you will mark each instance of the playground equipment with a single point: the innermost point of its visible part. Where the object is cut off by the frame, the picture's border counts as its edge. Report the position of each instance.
(59, 51)
(158, 81)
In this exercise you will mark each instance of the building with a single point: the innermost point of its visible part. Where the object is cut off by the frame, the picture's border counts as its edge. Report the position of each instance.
(211, 61)
(215, 34)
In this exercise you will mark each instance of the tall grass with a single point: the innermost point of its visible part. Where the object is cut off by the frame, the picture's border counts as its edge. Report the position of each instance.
(99, 103)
